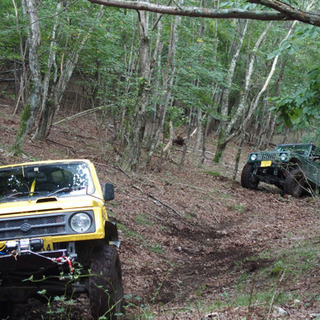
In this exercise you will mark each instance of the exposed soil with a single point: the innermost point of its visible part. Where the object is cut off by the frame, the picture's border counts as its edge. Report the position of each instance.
(188, 235)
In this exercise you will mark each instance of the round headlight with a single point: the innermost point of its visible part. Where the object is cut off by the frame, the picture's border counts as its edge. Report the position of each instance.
(253, 157)
(80, 222)
(283, 157)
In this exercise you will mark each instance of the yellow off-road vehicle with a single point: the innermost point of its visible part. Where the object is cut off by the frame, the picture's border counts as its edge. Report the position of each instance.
(53, 221)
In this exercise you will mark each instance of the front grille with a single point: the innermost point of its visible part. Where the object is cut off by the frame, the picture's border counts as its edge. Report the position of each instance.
(25, 227)
(266, 156)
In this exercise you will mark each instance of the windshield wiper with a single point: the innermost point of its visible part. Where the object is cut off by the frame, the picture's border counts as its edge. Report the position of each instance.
(19, 194)
(65, 189)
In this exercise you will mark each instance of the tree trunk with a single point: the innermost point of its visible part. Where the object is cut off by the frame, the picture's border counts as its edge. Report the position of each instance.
(238, 156)
(29, 114)
(161, 111)
(23, 75)
(46, 104)
(167, 148)
(199, 132)
(243, 97)
(132, 153)
(186, 144)
(204, 139)
(256, 101)
(155, 114)
(49, 109)
(223, 134)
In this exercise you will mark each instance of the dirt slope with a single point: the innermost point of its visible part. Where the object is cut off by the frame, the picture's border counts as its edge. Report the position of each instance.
(188, 235)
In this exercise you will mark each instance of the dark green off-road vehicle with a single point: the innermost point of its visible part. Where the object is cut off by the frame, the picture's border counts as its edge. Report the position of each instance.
(294, 168)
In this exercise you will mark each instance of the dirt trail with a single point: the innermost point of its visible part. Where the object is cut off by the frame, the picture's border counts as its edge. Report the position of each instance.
(187, 235)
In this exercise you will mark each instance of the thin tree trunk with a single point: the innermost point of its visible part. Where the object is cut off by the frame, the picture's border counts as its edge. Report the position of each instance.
(256, 101)
(155, 116)
(238, 156)
(24, 74)
(40, 133)
(223, 138)
(204, 139)
(132, 153)
(130, 62)
(186, 145)
(199, 132)
(49, 109)
(28, 116)
(208, 119)
(167, 148)
(199, 111)
(243, 98)
(167, 85)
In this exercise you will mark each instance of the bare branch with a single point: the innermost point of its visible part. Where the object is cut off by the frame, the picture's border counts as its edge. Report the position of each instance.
(283, 11)
(295, 13)
(192, 11)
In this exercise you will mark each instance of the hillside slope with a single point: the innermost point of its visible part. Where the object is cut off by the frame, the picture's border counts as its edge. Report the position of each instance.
(193, 240)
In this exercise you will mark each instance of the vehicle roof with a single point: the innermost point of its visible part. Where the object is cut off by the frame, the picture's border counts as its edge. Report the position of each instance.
(294, 144)
(283, 145)
(45, 162)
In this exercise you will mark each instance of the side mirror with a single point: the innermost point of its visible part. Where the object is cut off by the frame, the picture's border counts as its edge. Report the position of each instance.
(108, 191)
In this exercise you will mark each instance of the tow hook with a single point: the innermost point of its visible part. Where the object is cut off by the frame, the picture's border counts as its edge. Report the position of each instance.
(64, 259)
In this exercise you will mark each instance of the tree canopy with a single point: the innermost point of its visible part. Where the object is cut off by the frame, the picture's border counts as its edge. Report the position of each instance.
(155, 78)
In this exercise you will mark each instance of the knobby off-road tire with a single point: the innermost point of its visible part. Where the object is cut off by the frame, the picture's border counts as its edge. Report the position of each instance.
(295, 184)
(6, 309)
(105, 284)
(248, 180)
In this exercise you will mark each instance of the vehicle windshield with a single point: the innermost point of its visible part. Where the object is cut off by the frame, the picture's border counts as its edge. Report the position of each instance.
(304, 149)
(43, 180)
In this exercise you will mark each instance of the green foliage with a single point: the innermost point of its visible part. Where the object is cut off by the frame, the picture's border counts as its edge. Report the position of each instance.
(108, 71)
(302, 107)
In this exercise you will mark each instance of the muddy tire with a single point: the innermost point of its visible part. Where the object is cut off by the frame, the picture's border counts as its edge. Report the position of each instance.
(105, 284)
(6, 309)
(295, 184)
(248, 180)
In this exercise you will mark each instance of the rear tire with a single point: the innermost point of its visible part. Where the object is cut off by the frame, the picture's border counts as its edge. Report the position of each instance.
(248, 180)
(295, 184)
(105, 284)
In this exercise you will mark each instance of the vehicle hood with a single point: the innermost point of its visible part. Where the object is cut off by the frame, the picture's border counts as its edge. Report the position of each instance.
(50, 204)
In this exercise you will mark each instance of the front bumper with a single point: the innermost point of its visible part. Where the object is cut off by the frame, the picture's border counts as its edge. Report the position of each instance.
(24, 274)
(275, 174)
(27, 260)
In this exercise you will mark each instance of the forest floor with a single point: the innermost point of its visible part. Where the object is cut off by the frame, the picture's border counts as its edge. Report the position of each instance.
(194, 243)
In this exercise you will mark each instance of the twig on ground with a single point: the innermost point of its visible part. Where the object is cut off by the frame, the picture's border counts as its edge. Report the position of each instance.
(274, 294)
(158, 200)
(126, 174)
(213, 213)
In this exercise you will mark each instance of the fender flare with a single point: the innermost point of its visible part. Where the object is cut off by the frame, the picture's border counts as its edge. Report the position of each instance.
(111, 232)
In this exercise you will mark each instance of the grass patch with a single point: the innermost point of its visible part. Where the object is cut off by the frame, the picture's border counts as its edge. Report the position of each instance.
(157, 248)
(299, 260)
(212, 173)
(143, 219)
(272, 283)
(130, 233)
(239, 207)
